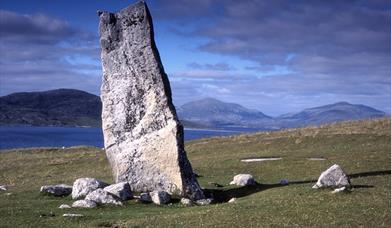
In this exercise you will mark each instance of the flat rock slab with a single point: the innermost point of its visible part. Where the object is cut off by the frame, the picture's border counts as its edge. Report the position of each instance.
(259, 159)
(84, 204)
(73, 215)
(142, 135)
(57, 190)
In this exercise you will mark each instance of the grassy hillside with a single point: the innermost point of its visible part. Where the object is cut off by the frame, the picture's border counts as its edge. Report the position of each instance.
(362, 148)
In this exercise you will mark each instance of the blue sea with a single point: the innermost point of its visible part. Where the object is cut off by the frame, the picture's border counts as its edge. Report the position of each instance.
(25, 137)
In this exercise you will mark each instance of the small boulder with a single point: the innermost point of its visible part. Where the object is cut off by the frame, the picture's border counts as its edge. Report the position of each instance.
(284, 182)
(83, 186)
(204, 202)
(3, 188)
(243, 180)
(232, 200)
(100, 196)
(64, 206)
(160, 197)
(145, 198)
(337, 190)
(121, 190)
(84, 204)
(186, 202)
(57, 190)
(333, 177)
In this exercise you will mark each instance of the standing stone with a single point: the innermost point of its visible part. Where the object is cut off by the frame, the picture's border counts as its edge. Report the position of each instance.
(142, 135)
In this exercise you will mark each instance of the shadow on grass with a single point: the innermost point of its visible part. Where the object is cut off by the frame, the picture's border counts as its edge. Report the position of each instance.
(221, 196)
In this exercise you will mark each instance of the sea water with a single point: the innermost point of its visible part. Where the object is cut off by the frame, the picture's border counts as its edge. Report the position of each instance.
(26, 137)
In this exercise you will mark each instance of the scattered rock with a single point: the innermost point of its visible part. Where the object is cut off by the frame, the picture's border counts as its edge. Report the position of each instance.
(121, 190)
(145, 198)
(284, 182)
(100, 196)
(204, 202)
(337, 190)
(72, 215)
(84, 204)
(232, 200)
(243, 180)
(142, 133)
(57, 190)
(186, 202)
(160, 197)
(333, 177)
(8, 194)
(51, 214)
(83, 186)
(3, 188)
(64, 206)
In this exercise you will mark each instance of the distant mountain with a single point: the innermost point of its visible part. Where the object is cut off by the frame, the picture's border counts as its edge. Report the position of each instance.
(61, 107)
(337, 112)
(214, 113)
(69, 107)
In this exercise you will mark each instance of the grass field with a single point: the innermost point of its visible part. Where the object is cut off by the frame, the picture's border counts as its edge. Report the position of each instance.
(362, 148)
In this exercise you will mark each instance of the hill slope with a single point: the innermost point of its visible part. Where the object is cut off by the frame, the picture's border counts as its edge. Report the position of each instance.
(362, 148)
(213, 112)
(337, 112)
(62, 107)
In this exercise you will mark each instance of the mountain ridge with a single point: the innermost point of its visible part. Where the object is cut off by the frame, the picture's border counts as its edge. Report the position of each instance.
(70, 107)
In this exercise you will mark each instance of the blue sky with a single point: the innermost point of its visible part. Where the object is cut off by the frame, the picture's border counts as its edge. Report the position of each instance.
(274, 56)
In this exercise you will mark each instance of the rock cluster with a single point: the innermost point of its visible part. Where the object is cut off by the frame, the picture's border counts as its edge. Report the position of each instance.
(142, 135)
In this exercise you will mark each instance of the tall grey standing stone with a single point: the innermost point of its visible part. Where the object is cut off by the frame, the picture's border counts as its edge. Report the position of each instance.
(142, 135)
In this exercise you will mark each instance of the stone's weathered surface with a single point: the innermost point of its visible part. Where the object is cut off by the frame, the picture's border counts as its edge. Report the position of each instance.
(64, 206)
(145, 198)
(142, 135)
(204, 202)
(100, 196)
(160, 197)
(3, 188)
(83, 186)
(121, 190)
(72, 215)
(57, 190)
(84, 204)
(243, 180)
(187, 202)
(333, 177)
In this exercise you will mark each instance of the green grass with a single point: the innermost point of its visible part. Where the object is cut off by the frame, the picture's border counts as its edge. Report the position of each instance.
(362, 148)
